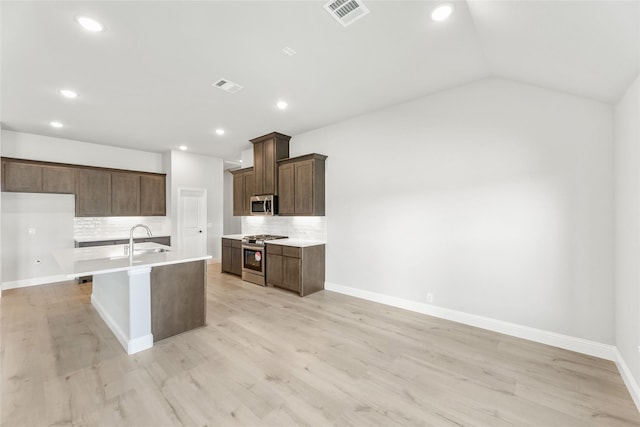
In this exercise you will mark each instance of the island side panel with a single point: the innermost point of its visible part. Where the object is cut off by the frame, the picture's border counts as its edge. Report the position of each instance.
(178, 298)
(110, 297)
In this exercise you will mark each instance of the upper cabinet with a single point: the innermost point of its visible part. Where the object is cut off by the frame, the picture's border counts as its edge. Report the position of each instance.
(301, 185)
(93, 193)
(268, 149)
(153, 198)
(99, 191)
(36, 177)
(243, 189)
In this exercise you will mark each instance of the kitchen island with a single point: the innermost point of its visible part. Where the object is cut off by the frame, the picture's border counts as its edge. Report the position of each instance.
(156, 293)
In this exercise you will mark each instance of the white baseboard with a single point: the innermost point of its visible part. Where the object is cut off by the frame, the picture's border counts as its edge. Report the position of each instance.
(34, 281)
(592, 348)
(627, 377)
(119, 333)
(141, 343)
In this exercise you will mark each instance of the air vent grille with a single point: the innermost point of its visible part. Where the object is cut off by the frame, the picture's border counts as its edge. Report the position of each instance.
(227, 86)
(346, 12)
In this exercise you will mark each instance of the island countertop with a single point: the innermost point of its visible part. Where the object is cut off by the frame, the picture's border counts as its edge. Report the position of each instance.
(95, 260)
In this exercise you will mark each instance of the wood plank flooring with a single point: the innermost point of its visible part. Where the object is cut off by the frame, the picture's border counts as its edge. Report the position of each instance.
(270, 358)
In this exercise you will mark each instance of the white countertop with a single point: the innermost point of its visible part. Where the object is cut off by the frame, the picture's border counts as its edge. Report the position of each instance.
(299, 243)
(94, 260)
(107, 238)
(233, 236)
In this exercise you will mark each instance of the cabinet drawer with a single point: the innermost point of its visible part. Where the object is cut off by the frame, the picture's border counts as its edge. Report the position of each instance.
(274, 249)
(291, 251)
(236, 244)
(226, 242)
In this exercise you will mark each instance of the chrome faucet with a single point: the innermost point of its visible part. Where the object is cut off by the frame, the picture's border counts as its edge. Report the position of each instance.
(131, 238)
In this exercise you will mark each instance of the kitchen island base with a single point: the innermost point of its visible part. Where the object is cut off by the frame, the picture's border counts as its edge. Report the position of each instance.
(144, 305)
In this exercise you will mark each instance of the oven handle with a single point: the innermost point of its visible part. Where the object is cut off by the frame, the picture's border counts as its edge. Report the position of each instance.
(253, 247)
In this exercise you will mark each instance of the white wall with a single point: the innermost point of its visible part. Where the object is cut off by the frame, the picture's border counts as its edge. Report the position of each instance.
(496, 197)
(59, 150)
(232, 224)
(196, 171)
(627, 232)
(27, 256)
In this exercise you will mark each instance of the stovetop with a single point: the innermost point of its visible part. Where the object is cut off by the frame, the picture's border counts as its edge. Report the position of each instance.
(259, 239)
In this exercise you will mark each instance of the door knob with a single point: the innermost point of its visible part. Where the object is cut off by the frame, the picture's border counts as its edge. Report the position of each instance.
(200, 231)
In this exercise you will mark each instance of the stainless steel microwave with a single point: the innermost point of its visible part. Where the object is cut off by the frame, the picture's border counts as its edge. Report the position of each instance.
(264, 205)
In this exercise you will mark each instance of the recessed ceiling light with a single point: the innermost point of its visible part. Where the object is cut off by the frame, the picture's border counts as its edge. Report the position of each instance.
(56, 124)
(183, 147)
(442, 12)
(282, 105)
(220, 131)
(68, 93)
(288, 51)
(90, 24)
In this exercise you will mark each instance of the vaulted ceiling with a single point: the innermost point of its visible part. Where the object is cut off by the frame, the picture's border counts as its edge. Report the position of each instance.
(147, 81)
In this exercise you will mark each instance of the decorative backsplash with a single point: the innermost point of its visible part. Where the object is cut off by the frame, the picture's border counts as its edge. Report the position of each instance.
(295, 227)
(113, 227)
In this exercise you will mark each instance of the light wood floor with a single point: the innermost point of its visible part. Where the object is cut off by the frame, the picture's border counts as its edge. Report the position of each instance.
(271, 358)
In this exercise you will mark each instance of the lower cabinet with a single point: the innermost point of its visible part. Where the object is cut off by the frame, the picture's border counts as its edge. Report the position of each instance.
(232, 256)
(298, 269)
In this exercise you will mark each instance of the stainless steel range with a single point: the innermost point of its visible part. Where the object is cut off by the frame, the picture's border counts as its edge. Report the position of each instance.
(254, 257)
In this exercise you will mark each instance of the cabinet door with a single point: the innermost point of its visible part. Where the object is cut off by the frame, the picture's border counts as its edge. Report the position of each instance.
(304, 188)
(274, 270)
(153, 198)
(258, 167)
(286, 185)
(93, 196)
(249, 190)
(125, 194)
(58, 180)
(291, 273)
(269, 178)
(236, 261)
(22, 177)
(226, 259)
(238, 195)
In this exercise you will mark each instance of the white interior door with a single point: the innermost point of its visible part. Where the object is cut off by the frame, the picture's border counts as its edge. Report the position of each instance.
(192, 220)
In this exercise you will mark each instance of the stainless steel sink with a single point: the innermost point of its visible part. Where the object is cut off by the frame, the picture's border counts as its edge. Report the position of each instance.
(150, 251)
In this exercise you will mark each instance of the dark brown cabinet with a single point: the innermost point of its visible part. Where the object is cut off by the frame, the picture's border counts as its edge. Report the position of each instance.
(36, 177)
(232, 256)
(301, 185)
(125, 194)
(93, 193)
(268, 149)
(243, 189)
(153, 195)
(99, 191)
(298, 269)
(58, 179)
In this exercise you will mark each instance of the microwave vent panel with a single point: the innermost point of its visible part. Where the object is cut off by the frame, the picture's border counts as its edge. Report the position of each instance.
(346, 12)
(227, 86)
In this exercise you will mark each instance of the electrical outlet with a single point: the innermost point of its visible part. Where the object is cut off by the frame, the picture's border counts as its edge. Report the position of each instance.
(429, 297)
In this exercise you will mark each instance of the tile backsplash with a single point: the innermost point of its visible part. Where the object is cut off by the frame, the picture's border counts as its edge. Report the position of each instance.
(112, 227)
(295, 227)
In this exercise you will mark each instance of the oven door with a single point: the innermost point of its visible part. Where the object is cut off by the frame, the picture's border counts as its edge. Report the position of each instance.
(253, 259)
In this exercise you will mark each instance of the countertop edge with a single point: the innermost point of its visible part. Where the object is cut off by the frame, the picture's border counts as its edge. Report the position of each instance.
(298, 243)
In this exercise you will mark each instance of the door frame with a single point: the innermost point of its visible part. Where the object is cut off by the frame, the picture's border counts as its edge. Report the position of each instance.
(202, 192)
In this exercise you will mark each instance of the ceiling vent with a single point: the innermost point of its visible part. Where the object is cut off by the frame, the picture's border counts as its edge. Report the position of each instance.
(227, 86)
(346, 12)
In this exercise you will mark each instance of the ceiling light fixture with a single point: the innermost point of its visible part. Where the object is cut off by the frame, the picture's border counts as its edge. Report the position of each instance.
(442, 12)
(68, 93)
(90, 24)
(282, 105)
(183, 147)
(56, 124)
(288, 51)
(220, 131)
